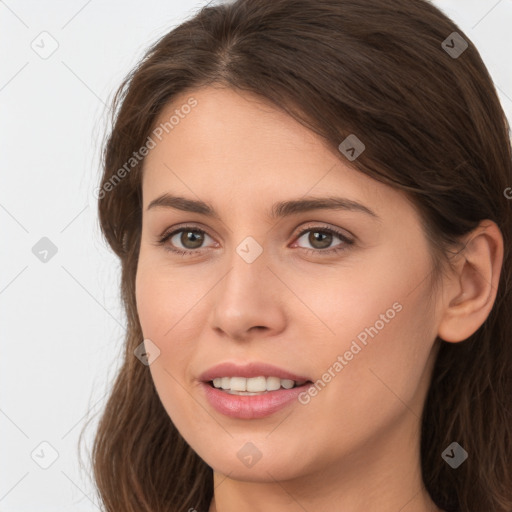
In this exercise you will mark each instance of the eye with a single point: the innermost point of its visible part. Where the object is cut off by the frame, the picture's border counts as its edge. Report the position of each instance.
(321, 238)
(190, 237)
(188, 240)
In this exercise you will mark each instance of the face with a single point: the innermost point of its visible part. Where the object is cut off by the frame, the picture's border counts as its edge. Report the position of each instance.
(337, 296)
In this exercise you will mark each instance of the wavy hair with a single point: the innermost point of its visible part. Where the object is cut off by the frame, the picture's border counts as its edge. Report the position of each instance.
(433, 127)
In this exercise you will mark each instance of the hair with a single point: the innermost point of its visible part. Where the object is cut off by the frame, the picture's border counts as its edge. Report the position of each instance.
(433, 127)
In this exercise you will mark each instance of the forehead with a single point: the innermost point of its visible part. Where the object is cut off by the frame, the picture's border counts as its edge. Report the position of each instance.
(231, 145)
(231, 126)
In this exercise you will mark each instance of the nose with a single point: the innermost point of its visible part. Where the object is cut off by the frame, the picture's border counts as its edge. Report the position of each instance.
(249, 300)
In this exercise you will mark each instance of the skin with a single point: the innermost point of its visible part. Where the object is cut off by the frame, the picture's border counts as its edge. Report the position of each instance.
(355, 446)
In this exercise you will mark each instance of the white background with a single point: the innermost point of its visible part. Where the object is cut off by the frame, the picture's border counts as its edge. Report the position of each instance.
(61, 321)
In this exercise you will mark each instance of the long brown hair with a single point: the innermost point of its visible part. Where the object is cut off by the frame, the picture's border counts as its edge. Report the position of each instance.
(433, 127)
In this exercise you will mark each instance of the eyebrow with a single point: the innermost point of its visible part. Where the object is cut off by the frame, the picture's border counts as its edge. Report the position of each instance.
(278, 210)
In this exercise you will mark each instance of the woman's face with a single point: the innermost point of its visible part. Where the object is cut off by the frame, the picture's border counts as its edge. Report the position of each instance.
(337, 296)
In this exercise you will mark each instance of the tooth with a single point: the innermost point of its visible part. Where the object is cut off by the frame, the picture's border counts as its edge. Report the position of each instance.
(287, 383)
(256, 384)
(259, 384)
(273, 383)
(238, 384)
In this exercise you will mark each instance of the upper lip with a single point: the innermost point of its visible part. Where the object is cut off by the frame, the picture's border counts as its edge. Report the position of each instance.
(253, 369)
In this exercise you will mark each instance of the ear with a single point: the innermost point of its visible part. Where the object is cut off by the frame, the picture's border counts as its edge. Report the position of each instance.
(471, 291)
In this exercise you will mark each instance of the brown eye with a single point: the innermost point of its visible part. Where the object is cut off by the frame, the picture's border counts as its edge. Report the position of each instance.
(186, 240)
(321, 239)
(191, 239)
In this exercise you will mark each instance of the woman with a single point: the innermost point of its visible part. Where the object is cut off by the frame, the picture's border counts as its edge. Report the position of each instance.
(308, 202)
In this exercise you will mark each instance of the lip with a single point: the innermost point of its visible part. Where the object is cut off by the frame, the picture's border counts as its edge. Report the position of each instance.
(246, 407)
(250, 406)
(253, 369)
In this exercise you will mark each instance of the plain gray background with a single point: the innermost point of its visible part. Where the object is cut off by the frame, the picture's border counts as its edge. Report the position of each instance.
(61, 319)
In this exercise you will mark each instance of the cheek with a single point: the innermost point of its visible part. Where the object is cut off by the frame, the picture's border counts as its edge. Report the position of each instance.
(146, 291)
(160, 308)
(164, 315)
(158, 312)
(386, 376)
(381, 326)
(161, 300)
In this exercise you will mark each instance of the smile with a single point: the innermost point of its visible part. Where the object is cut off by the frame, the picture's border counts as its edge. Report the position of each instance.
(251, 405)
(253, 385)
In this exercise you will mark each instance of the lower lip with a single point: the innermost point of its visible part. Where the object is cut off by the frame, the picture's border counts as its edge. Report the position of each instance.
(248, 407)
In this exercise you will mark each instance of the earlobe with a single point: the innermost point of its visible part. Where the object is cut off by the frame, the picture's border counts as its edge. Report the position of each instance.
(471, 293)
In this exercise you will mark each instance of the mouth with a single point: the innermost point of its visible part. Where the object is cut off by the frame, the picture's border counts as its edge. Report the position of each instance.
(250, 405)
(254, 386)
(251, 390)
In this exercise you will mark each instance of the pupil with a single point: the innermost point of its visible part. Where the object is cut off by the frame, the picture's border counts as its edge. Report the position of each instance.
(192, 236)
(324, 243)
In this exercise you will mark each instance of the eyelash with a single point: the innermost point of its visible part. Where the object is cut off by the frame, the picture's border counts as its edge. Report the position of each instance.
(191, 252)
